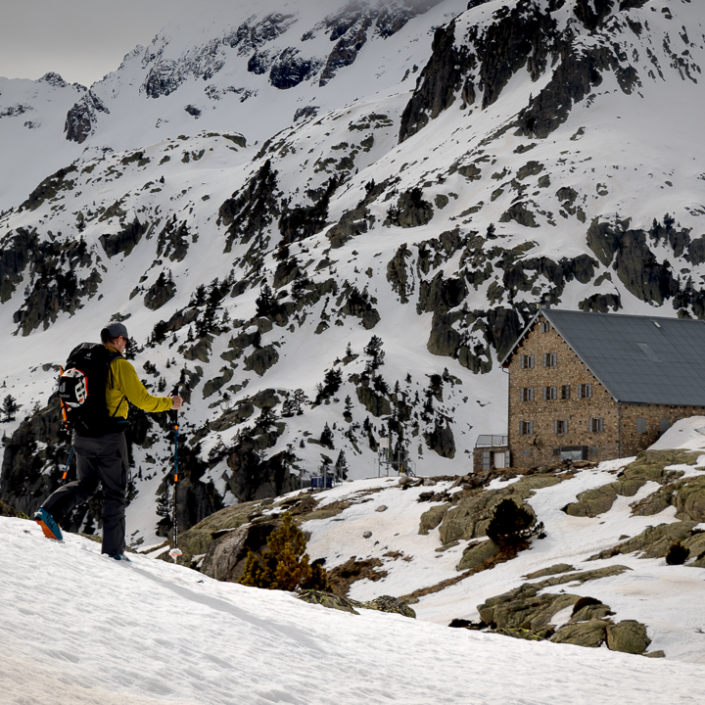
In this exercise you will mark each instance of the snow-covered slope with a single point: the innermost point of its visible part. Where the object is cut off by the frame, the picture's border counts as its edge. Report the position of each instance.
(434, 217)
(80, 629)
(223, 66)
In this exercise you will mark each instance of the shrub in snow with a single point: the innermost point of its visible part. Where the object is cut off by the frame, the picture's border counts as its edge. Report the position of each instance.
(510, 523)
(677, 554)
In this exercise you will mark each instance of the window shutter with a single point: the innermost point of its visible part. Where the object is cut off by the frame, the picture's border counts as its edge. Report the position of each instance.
(588, 390)
(531, 393)
(521, 428)
(531, 428)
(565, 425)
(545, 359)
(531, 361)
(591, 425)
(554, 359)
(522, 362)
(545, 393)
(555, 426)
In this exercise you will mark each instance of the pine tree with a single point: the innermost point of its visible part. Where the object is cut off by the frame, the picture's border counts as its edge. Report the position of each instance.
(327, 437)
(285, 565)
(374, 350)
(10, 407)
(341, 467)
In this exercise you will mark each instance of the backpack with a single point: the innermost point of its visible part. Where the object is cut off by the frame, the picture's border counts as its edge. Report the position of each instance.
(82, 390)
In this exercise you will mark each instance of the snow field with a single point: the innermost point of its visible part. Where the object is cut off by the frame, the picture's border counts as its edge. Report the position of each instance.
(81, 629)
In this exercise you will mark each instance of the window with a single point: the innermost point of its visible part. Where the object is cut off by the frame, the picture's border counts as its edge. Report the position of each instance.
(527, 393)
(560, 426)
(526, 428)
(663, 426)
(545, 327)
(486, 460)
(641, 425)
(565, 391)
(574, 453)
(550, 359)
(527, 362)
(597, 425)
(550, 393)
(584, 391)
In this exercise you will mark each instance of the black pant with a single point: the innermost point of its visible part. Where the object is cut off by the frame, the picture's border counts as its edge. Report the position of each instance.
(103, 459)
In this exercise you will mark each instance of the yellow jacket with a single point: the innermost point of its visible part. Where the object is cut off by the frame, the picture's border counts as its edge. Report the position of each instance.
(124, 385)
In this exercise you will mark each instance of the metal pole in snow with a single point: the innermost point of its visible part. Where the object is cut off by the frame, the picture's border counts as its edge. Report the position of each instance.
(175, 551)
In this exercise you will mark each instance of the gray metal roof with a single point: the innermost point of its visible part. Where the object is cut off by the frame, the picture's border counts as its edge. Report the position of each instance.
(639, 359)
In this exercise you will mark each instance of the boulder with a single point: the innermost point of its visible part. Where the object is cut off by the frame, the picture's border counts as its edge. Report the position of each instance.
(592, 503)
(653, 542)
(432, 518)
(328, 599)
(477, 553)
(552, 570)
(628, 636)
(387, 603)
(592, 633)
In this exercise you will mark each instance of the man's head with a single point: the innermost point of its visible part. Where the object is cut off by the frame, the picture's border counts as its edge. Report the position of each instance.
(115, 335)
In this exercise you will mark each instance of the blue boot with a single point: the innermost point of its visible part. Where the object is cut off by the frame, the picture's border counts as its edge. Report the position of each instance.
(120, 557)
(50, 528)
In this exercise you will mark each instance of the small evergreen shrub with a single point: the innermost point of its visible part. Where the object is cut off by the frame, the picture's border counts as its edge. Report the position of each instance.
(677, 554)
(510, 523)
(285, 565)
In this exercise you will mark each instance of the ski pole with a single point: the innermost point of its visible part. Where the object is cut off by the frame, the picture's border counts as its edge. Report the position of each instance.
(175, 552)
(68, 462)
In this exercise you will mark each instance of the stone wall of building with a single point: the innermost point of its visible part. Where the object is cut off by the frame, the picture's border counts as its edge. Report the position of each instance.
(634, 440)
(540, 447)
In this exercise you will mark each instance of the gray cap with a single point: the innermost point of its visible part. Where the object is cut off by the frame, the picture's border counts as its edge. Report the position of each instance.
(114, 330)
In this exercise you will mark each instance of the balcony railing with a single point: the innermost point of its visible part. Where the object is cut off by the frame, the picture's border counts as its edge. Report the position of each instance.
(491, 441)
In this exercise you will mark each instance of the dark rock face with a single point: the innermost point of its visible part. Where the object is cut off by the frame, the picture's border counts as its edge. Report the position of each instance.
(15, 255)
(125, 240)
(49, 188)
(438, 82)
(522, 36)
(441, 441)
(173, 240)
(410, 211)
(55, 286)
(637, 267)
(252, 210)
(289, 69)
(301, 222)
(163, 79)
(345, 51)
(159, 293)
(82, 117)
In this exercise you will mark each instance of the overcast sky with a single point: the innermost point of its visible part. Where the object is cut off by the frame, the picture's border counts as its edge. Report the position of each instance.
(80, 39)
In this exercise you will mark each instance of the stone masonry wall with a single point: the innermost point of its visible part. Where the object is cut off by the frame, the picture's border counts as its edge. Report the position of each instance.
(632, 440)
(531, 450)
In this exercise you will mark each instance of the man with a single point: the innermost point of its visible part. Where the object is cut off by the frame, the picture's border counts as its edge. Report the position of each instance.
(103, 456)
